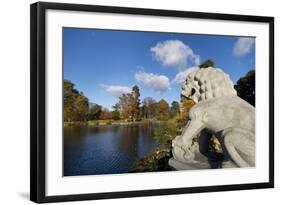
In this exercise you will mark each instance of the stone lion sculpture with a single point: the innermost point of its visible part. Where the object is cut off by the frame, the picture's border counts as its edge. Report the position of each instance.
(218, 112)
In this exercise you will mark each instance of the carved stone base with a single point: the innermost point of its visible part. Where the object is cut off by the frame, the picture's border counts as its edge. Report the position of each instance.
(177, 165)
(195, 165)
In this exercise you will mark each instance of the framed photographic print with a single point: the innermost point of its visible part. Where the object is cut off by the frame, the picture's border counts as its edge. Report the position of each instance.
(129, 102)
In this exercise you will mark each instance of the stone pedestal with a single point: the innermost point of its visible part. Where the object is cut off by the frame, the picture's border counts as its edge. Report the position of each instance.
(177, 165)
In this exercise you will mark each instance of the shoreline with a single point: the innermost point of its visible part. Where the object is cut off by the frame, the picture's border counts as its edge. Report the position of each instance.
(154, 161)
(108, 122)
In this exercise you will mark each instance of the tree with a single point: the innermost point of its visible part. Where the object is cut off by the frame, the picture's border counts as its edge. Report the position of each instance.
(148, 107)
(81, 107)
(135, 102)
(94, 112)
(69, 95)
(116, 112)
(129, 104)
(245, 87)
(76, 105)
(175, 109)
(162, 109)
(106, 114)
(123, 104)
(207, 63)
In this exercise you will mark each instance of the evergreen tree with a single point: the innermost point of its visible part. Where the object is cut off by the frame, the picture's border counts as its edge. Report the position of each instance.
(175, 109)
(207, 63)
(116, 112)
(245, 87)
(135, 102)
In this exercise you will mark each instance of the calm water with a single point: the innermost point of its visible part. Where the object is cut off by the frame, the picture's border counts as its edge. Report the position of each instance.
(108, 149)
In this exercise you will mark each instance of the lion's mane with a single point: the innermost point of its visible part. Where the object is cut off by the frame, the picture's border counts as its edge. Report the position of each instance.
(208, 83)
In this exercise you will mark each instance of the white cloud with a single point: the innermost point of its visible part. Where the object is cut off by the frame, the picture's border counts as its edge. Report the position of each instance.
(243, 46)
(174, 53)
(196, 59)
(181, 76)
(157, 82)
(116, 90)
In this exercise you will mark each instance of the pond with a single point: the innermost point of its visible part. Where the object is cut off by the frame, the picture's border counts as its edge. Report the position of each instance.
(105, 149)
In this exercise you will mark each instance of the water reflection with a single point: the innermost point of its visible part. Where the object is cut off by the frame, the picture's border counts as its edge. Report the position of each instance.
(109, 149)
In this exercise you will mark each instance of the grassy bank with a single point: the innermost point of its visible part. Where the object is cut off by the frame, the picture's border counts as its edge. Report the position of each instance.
(76, 123)
(105, 122)
(108, 122)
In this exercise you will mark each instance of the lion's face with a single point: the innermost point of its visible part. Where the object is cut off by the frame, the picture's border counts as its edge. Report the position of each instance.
(190, 91)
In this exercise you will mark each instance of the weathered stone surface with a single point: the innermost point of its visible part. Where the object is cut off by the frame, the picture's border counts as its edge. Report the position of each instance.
(197, 162)
(219, 112)
(188, 165)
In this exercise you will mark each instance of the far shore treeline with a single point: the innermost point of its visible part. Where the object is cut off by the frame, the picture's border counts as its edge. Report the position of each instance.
(129, 107)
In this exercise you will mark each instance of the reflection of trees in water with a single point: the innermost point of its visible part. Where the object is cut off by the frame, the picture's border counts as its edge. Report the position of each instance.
(74, 134)
(77, 133)
(99, 129)
(116, 128)
(146, 141)
(128, 138)
(136, 140)
(147, 130)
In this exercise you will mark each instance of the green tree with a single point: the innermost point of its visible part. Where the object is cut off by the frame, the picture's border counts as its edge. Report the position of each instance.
(175, 109)
(245, 87)
(76, 105)
(207, 63)
(94, 112)
(116, 112)
(162, 109)
(81, 107)
(69, 95)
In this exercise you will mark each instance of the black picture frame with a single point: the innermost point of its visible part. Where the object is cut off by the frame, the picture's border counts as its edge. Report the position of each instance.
(38, 103)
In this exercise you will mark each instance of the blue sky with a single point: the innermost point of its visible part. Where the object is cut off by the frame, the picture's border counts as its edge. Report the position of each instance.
(104, 63)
